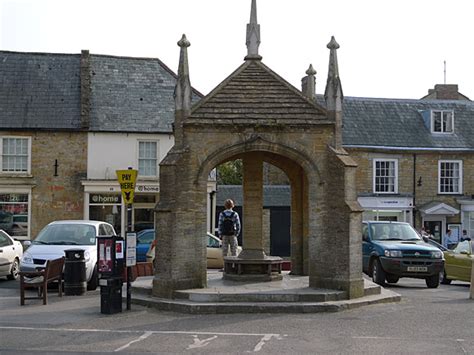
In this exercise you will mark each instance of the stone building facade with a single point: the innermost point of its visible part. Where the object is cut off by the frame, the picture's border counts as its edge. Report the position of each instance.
(67, 122)
(415, 159)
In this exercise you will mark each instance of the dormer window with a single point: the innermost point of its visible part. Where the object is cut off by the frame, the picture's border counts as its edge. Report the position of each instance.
(442, 121)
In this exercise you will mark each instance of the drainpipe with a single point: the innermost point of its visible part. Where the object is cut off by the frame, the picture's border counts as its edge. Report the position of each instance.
(414, 190)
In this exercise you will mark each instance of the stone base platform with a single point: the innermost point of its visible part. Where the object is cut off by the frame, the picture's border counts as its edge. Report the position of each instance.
(291, 294)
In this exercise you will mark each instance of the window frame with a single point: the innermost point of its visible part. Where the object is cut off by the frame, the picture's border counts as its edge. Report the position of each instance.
(156, 141)
(460, 182)
(28, 158)
(374, 176)
(432, 120)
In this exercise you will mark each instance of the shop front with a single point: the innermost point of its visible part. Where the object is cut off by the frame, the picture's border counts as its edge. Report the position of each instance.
(377, 208)
(434, 218)
(103, 202)
(15, 210)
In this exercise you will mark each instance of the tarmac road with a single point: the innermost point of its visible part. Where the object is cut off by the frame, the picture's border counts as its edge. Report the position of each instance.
(426, 321)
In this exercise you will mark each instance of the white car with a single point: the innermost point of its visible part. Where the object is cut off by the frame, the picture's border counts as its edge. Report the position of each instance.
(59, 236)
(10, 253)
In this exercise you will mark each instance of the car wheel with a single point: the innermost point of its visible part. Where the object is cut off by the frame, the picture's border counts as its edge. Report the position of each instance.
(94, 282)
(378, 274)
(443, 278)
(15, 270)
(391, 278)
(432, 281)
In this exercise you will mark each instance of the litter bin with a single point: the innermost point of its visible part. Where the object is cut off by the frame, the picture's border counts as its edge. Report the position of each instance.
(110, 295)
(75, 282)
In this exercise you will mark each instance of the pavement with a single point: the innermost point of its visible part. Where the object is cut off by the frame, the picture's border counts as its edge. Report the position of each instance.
(292, 294)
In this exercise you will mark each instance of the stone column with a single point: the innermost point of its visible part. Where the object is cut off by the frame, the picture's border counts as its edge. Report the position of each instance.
(253, 207)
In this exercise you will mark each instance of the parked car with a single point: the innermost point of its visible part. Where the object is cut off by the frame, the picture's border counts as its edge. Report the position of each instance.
(391, 250)
(458, 263)
(11, 252)
(20, 225)
(214, 252)
(59, 236)
(144, 239)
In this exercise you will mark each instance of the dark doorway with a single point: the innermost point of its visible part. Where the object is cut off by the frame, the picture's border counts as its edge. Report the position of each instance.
(280, 231)
(435, 229)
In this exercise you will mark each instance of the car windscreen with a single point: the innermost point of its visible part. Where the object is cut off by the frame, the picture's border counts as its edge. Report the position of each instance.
(394, 231)
(66, 234)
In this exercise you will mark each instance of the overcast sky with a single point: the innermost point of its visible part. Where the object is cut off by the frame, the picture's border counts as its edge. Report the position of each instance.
(391, 49)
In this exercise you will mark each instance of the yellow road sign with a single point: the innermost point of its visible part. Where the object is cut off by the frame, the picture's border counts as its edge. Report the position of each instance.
(127, 179)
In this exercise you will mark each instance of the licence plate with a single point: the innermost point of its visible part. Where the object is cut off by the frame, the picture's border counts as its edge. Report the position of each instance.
(417, 268)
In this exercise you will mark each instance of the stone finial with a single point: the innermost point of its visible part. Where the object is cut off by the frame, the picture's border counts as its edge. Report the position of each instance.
(308, 83)
(311, 70)
(253, 34)
(333, 93)
(182, 92)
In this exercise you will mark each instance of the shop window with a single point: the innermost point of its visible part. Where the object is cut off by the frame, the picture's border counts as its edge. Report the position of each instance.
(14, 214)
(147, 158)
(450, 177)
(385, 176)
(15, 155)
(107, 213)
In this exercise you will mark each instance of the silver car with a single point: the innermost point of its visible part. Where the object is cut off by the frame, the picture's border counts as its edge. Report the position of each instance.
(59, 236)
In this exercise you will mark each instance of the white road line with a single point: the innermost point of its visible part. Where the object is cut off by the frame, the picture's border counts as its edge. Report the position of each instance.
(142, 337)
(200, 343)
(140, 331)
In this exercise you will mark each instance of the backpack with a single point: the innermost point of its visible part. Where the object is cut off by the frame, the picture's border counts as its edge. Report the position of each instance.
(228, 227)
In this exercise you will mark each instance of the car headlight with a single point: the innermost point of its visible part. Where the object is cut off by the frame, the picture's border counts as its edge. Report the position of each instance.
(393, 253)
(437, 254)
(87, 256)
(26, 259)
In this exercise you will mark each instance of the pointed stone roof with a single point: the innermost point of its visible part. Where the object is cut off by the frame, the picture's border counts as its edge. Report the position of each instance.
(255, 94)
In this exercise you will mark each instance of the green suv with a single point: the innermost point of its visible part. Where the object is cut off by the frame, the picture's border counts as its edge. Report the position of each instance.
(391, 250)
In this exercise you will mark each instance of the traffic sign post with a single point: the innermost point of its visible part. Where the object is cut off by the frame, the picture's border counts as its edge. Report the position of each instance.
(127, 180)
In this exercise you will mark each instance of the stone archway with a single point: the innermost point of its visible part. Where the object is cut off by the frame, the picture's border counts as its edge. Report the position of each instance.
(256, 114)
(294, 165)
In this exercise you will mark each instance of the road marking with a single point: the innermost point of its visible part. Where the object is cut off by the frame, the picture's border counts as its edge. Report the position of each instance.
(200, 343)
(264, 339)
(146, 333)
(142, 337)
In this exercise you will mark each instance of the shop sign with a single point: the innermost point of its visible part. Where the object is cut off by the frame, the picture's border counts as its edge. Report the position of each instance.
(148, 188)
(104, 199)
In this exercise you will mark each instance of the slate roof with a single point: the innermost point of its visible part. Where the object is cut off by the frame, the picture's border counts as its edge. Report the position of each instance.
(42, 91)
(255, 93)
(273, 195)
(132, 95)
(39, 91)
(399, 123)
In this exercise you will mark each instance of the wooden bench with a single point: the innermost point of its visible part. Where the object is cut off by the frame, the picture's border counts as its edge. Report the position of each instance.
(53, 271)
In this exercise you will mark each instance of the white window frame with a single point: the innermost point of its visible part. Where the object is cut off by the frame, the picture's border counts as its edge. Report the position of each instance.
(156, 141)
(460, 182)
(28, 163)
(442, 112)
(374, 176)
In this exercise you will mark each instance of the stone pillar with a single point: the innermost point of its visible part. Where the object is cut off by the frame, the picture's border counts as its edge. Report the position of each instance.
(253, 207)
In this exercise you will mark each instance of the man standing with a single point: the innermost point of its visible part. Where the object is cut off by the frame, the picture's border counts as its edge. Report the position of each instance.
(229, 228)
(450, 240)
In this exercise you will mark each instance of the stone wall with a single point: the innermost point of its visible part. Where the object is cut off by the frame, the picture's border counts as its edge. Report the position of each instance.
(53, 197)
